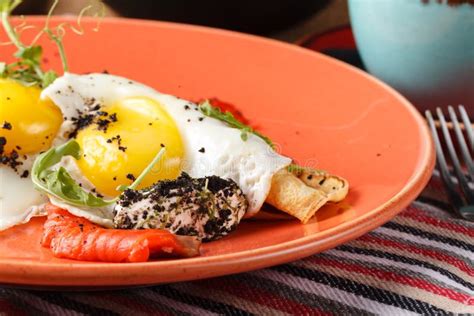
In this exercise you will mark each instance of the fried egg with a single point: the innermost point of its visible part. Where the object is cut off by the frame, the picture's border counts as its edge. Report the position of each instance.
(28, 126)
(133, 122)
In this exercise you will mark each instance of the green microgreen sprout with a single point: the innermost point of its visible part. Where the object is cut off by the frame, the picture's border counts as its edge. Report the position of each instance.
(145, 171)
(27, 67)
(207, 109)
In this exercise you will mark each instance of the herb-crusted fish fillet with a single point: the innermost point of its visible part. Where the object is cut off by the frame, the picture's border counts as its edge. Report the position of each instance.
(208, 208)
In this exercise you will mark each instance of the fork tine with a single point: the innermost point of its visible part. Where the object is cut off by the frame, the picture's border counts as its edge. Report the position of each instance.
(453, 195)
(467, 126)
(454, 158)
(462, 142)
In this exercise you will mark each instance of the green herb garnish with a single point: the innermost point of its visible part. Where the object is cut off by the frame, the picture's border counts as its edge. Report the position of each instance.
(145, 171)
(59, 183)
(295, 168)
(227, 117)
(27, 67)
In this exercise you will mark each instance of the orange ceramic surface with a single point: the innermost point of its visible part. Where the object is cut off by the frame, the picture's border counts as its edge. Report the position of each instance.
(319, 111)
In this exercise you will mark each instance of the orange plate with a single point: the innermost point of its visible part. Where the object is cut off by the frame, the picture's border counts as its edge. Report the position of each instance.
(319, 111)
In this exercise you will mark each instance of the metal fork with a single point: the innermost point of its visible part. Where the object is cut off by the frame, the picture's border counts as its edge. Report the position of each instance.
(461, 200)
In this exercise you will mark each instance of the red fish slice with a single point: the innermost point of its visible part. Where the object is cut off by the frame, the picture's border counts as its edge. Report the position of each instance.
(73, 237)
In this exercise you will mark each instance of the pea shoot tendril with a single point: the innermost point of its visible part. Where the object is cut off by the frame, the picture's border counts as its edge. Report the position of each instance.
(27, 67)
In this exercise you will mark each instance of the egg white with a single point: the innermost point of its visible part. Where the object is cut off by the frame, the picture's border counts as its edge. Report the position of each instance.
(251, 164)
(19, 201)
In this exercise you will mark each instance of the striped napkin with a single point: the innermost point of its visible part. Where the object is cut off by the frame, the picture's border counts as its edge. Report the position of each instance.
(421, 262)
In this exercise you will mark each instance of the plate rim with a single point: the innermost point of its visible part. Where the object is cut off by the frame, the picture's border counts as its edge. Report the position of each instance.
(16, 269)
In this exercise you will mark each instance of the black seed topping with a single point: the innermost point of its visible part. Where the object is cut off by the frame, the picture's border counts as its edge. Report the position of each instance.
(80, 122)
(3, 142)
(97, 193)
(7, 125)
(118, 139)
(11, 160)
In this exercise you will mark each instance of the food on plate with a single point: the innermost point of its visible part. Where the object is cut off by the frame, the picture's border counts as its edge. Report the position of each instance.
(300, 192)
(207, 207)
(125, 172)
(145, 121)
(73, 237)
(28, 125)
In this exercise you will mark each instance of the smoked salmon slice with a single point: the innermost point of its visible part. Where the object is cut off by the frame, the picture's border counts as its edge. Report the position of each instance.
(73, 237)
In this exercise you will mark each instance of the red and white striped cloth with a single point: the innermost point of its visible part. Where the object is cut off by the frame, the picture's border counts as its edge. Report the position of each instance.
(421, 262)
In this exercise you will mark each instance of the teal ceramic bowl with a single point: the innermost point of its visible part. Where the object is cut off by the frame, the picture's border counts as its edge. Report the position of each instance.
(424, 49)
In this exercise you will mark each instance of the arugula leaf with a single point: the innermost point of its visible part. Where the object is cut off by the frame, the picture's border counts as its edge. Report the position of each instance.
(59, 183)
(54, 155)
(207, 109)
(66, 188)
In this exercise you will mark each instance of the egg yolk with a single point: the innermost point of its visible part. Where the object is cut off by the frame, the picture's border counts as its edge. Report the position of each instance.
(27, 123)
(118, 153)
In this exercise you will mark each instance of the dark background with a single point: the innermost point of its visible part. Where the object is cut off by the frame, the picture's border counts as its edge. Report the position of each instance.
(288, 20)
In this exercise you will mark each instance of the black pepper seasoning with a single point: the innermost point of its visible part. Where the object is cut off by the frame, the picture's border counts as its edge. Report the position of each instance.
(7, 125)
